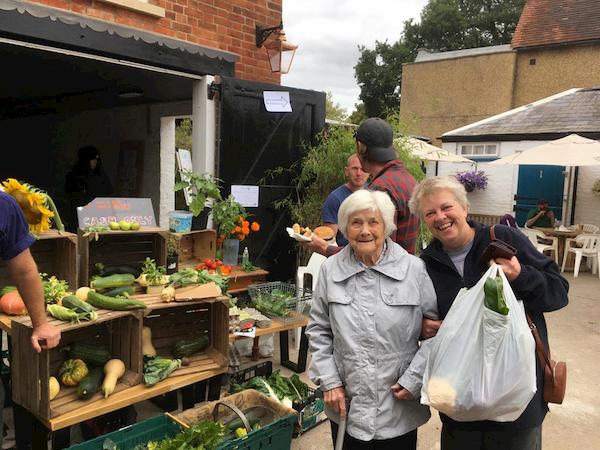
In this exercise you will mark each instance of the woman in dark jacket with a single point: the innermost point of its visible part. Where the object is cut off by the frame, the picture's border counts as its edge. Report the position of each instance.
(452, 261)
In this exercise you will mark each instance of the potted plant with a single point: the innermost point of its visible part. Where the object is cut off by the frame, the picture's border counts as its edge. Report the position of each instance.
(201, 188)
(153, 276)
(473, 179)
(232, 227)
(172, 254)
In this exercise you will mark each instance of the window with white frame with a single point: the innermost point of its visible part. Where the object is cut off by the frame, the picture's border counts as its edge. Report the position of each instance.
(480, 149)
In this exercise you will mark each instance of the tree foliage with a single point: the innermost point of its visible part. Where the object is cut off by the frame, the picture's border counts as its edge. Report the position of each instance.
(333, 110)
(444, 25)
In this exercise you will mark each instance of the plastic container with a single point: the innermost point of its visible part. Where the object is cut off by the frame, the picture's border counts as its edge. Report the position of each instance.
(180, 221)
(153, 429)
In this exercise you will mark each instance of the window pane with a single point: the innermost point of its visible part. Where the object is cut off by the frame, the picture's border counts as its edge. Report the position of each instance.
(465, 149)
(490, 149)
(478, 149)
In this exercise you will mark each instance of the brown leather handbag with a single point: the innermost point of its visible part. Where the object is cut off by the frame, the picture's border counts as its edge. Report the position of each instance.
(555, 372)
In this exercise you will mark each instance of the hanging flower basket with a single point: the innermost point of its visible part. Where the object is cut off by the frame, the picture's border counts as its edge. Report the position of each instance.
(473, 179)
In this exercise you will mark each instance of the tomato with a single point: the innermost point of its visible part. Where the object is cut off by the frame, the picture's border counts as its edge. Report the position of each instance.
(219, 262)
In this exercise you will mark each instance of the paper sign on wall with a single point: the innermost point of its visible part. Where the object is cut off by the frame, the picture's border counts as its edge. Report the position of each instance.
(277, 101)
(245, 195)
(103, 210)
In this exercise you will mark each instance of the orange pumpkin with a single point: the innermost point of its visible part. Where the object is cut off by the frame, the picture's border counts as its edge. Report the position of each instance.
(12, 303)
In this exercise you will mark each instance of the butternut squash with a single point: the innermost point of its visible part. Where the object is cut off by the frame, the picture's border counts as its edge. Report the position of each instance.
(147, 347)
(53, 388)
(113, 370)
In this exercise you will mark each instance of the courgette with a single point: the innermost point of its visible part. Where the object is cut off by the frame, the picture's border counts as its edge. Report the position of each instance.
(114, 303)
(92, 354)
(72, 302)
(189, 347)
(106, 270)
(120, 291)
(90, 384)
(112, 281)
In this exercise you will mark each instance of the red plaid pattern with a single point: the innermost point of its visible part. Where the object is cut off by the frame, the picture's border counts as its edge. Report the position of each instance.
(395, 180)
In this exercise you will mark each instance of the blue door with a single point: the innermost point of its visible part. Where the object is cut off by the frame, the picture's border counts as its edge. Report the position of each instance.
(537, 182)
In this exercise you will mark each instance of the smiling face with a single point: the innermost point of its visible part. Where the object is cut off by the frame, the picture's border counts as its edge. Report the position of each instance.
(446, 219)
(366, 235)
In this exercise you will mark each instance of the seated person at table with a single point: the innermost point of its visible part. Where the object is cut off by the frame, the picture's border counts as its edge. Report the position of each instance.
(541, 216)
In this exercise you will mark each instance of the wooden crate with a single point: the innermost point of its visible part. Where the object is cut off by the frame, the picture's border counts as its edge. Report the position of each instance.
(120, 331)
(195, 246)
(55, 254)
(172, 322)
(120, 248)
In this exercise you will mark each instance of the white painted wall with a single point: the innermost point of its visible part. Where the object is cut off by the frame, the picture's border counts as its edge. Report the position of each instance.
(497, 199)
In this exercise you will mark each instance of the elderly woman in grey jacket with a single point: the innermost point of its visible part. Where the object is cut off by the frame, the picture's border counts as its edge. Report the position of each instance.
(364, 329)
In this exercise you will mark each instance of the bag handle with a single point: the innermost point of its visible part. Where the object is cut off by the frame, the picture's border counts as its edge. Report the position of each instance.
(539, 346)
(236, 410)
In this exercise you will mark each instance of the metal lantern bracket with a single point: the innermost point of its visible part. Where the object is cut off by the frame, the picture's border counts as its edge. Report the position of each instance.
(263, 33)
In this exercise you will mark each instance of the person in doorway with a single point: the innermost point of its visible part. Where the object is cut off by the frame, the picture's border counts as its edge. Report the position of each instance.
(377, 156)
(364, 329)
(15, 241)
(356, 178)
(540, 216)
(86, 181)
(453, 262)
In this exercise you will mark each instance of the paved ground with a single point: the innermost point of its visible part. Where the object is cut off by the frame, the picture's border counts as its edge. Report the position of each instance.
(574, 337)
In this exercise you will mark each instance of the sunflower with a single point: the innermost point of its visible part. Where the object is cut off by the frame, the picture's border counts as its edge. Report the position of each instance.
(34, 203)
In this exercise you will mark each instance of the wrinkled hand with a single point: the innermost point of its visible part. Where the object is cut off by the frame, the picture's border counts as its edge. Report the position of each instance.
(400, 393)
(336, 399)
(316, 245)
(429, 328)
(511, 267)
(48, 334)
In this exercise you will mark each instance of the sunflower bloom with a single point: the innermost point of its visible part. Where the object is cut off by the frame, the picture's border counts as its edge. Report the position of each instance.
(33, 203)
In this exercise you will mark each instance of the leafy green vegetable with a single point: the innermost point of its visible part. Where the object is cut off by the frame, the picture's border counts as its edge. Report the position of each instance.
(205, 277)
(205, 435)
(7, 289)
(275, 386)
(153, 272)
(494, 296)
(157, 369)
(184, 277)
(267, 304)
(54, 289)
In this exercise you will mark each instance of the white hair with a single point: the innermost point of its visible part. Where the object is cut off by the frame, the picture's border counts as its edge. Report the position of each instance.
(371, 200)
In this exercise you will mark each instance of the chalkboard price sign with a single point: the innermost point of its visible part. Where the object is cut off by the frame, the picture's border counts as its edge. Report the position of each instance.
(103, 210)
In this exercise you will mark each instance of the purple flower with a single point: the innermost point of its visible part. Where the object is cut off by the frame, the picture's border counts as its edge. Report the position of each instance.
(472, 179)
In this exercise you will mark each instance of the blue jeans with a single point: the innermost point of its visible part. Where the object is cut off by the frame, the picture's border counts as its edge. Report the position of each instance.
(459, 439)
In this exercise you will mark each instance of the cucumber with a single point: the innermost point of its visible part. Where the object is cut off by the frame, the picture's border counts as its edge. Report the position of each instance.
(92, 354)
(189, 347)
(113, 281)
(120, 291)
(106, 270)
(114, 303)
(72, 302)
(90, 384)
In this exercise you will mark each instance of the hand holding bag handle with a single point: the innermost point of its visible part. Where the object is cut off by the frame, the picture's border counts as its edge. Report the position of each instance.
(555, 372)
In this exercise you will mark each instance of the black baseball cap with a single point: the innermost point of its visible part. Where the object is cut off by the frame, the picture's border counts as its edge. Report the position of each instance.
(378, 136)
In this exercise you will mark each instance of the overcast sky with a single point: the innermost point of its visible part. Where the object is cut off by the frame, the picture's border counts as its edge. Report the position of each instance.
(329, 32)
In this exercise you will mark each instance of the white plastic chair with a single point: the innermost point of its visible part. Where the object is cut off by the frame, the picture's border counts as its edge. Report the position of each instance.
(589, 228)
(589, 248)
(313, 267)
(535, 236)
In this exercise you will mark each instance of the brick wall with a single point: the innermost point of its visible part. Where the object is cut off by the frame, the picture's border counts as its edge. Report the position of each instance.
(223, 24)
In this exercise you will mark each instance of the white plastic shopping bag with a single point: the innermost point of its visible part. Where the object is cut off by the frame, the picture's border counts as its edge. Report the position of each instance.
(482, 363)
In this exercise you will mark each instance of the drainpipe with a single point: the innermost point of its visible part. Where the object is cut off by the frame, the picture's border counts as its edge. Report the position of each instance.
(574, 201)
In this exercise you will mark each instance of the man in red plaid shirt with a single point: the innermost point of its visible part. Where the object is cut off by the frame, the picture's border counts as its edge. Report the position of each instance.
(375, 150)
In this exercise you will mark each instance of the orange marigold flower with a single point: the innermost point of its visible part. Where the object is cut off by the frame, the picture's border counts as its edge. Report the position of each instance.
(255, 226)
(245, 224)
(241, 237)
(241, 219)
(237, 230)
(246, 231)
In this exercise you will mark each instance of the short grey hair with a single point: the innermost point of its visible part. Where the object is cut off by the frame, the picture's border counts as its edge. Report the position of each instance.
(430, 185)
(371, 200)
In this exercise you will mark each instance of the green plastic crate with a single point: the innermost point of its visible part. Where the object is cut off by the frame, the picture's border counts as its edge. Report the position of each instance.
(153, 429)
(275, 436)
